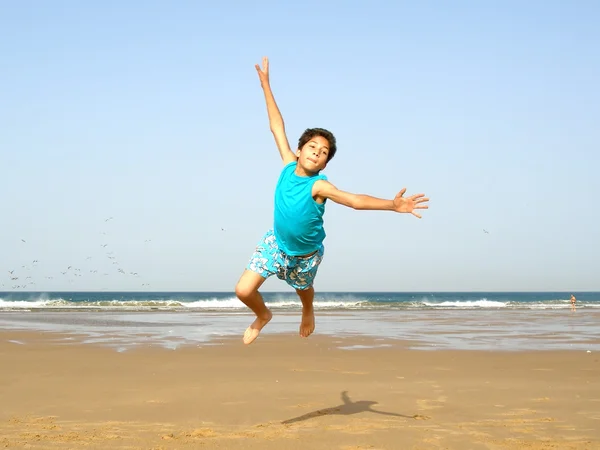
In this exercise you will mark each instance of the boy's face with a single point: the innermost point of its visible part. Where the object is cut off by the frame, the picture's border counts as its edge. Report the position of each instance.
(313, 156)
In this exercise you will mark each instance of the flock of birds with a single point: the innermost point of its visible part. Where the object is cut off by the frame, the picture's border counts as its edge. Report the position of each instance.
(23, 277)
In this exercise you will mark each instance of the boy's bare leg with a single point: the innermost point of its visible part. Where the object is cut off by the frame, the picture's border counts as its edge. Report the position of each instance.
(247, 291)
(307, 325)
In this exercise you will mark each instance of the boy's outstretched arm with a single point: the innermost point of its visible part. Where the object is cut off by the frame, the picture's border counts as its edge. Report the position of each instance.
(275, 117)
(325, 190)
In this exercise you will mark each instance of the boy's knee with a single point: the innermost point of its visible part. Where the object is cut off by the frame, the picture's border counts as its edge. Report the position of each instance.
(305, 291)
(244, 290)
(248, 284)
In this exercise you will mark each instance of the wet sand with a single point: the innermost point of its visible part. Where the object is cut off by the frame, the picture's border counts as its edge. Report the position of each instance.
(284, 392)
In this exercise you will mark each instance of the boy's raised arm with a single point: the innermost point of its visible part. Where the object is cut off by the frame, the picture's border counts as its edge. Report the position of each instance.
(275, 117)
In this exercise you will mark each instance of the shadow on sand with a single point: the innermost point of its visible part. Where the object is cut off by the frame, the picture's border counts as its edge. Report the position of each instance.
(347, 408)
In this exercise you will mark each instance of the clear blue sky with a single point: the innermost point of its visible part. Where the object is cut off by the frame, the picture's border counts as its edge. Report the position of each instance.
(151, 112)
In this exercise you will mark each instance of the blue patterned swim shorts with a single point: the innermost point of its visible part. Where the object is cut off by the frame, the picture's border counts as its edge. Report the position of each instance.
(297, 271)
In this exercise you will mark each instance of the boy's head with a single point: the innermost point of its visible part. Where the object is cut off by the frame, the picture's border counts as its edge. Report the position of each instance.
(311, 133)
(316, 147)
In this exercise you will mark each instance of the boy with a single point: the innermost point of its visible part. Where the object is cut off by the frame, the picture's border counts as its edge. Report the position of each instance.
(293, 249)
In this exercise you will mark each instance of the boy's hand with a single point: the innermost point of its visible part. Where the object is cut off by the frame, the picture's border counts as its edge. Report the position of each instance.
(263, 73)
(409, 204)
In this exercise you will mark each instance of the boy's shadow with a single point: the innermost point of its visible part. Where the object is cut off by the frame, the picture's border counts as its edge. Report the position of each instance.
(345, 409)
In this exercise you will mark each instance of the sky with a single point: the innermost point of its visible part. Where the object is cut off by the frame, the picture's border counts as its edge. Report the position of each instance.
(138, 130)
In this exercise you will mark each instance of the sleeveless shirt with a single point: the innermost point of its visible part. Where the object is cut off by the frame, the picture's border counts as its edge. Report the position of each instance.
(298, 218)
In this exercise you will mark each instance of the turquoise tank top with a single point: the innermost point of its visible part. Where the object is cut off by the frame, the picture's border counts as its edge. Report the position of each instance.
(298, 224)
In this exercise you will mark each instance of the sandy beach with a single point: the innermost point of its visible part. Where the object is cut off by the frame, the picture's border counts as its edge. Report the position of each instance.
(284, 392)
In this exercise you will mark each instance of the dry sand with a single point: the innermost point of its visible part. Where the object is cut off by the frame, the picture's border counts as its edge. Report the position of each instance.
(284, 392)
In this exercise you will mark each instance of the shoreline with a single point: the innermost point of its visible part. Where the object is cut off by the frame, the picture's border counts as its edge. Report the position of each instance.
(506, 330)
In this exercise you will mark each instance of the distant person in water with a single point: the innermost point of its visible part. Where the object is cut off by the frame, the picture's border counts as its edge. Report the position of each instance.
(293, 248)
(573, 300)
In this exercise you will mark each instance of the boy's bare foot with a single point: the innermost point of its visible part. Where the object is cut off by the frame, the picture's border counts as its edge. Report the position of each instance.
(307, 326)
(253, 330)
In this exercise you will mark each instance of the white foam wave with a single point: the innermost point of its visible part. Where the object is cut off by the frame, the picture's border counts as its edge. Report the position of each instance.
(482, 303)
(282, 302)
(210, 304)
(65, 304)
(40, 303)
(234, 303)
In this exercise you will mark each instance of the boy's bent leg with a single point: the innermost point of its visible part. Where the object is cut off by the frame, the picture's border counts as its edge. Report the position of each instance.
(307, 325)
(247, 291)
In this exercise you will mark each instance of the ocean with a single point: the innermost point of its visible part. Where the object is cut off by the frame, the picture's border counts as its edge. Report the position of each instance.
(501, 321)
(332, 301)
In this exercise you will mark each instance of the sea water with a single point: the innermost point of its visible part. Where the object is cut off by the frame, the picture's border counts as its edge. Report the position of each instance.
(423, 320)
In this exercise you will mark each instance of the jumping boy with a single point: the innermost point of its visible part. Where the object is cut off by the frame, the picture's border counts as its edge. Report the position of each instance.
(293, 249)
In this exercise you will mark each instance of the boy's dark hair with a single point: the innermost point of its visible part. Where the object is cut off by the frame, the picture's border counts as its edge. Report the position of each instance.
(310, 133)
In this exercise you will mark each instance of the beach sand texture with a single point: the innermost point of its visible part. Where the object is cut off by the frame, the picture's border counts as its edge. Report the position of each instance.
(284, 392)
